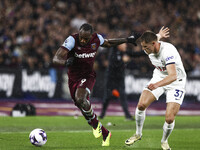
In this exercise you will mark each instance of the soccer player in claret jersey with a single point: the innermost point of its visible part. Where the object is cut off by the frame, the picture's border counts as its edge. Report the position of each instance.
(78, 53)
(169, 76)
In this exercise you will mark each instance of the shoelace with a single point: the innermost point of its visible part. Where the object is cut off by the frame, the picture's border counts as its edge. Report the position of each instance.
(134, 137)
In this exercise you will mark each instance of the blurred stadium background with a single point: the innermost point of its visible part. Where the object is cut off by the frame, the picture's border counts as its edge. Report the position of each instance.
(31, 31)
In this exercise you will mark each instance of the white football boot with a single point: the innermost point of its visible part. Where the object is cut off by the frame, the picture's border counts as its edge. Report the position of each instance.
(165, 146)
(133, 139)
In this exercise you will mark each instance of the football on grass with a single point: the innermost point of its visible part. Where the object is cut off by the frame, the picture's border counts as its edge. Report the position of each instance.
(38, 137)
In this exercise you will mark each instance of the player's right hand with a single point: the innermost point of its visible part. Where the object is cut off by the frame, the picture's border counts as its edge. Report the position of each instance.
(133, 38)
(69, 61)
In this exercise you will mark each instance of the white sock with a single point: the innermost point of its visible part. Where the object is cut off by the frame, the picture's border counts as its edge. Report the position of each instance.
(167, 129)
(139, 117)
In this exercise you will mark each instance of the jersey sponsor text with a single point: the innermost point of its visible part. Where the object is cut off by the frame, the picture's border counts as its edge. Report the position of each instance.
(85, 55)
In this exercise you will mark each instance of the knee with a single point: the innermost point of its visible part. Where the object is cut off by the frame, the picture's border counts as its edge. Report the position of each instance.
(169, 118)
(141, 106)
(79, 101)
(82, 103)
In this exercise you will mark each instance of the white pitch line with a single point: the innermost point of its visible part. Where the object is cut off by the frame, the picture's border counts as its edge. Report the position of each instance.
(87, 131)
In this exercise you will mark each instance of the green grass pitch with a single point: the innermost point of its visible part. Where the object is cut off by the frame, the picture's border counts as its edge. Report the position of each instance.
(68, 133)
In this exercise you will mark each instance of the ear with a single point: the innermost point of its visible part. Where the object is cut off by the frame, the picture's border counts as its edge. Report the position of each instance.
(153, 43)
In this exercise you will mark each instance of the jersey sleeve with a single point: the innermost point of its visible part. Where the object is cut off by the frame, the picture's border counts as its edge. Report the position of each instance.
(169, 56)
(101, 39)
(69, 43)
(158, 36)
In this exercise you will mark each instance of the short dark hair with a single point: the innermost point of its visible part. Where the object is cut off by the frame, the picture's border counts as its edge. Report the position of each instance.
(86, 27)
(148, 36)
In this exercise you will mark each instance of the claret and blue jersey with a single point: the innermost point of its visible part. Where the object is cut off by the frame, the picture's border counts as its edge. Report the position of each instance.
(84, 55)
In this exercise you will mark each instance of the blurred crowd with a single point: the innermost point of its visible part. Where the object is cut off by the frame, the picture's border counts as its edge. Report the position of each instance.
(31, 31)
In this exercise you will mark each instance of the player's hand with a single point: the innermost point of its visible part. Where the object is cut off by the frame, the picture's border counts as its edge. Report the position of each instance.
(126, 58)
(69, 61)
(164, 32)
(133, 38)
(152, 86)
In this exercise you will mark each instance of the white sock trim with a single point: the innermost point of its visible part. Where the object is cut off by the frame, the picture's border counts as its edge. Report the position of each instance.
(171, 125)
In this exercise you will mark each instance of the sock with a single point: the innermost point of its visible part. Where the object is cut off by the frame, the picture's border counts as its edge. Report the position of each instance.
(104, 132)
(139, 117)
(167, 129)
(93, 121)
(90, 116)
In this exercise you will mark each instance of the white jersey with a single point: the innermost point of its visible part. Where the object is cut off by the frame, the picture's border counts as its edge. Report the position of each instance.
(167, 54)
(175, 91)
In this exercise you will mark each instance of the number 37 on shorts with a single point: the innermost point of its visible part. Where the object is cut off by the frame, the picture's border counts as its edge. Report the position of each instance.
(179, 94)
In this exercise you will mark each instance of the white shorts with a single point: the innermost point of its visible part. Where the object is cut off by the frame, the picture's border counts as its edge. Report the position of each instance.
(175, 91)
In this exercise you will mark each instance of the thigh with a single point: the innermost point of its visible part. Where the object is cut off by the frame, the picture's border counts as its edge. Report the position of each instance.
(146, 99)
(86, 83)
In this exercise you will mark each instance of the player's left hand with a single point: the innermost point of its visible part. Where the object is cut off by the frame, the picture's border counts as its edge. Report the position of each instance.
(152, 86)
(133, 38)
(69, 62)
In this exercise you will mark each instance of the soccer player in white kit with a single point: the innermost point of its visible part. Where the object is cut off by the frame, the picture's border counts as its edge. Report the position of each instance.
(168, 77)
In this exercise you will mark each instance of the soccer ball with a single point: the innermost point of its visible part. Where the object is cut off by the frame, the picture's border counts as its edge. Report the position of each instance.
(38, 137)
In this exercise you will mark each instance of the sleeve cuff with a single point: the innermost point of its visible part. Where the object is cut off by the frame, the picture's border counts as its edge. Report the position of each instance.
(170, 63)
(64, 48)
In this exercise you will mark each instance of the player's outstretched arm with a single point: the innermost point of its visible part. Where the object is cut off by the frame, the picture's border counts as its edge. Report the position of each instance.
(163, 33)
(117, 41)
(60, 57)
(113, 42)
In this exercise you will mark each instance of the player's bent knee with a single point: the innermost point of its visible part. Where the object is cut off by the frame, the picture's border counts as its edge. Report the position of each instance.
(169, 119)
(79, 101)
(85, 104)
(142, 106)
